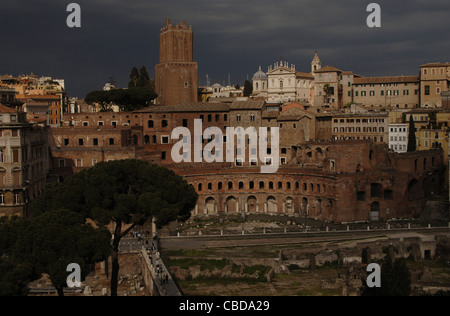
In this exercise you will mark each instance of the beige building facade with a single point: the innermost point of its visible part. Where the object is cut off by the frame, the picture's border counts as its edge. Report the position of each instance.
(24, 162)
(434, 80)
(401, 92)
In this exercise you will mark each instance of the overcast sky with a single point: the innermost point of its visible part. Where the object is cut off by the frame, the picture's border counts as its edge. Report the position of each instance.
(230, 36)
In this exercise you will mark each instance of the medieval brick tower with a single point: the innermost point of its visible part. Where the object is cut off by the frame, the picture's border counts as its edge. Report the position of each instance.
(176, 73)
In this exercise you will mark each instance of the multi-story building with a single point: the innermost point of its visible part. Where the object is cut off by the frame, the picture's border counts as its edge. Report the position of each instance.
(329, 88)
(434, 79)
(219, 91)
(401, 92)
(361, 126)
(44, 97)
(398, 137)
(8, 97)
(24, 158)
(446, 100)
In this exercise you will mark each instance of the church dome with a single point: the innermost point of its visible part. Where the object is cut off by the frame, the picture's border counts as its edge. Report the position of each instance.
(260, 75)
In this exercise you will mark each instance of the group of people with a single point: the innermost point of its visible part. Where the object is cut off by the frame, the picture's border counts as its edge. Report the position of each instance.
(163, 277)
(140, 235)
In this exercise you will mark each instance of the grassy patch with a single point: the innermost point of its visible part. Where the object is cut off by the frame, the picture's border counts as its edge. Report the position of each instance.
(262, 270)
(236, 268)
(205, 264)
(188, 253)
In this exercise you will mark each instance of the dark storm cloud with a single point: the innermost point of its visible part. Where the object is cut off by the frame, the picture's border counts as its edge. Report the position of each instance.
(231, 36)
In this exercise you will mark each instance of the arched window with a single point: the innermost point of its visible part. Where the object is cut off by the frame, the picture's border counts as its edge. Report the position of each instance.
(200, 187)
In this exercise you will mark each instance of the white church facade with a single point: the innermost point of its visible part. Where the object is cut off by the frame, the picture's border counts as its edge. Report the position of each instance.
(283, 83)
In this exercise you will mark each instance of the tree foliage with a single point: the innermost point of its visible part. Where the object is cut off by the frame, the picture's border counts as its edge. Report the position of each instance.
(127, 99)
(125, 192)
(134, 77)
(411, 135)
(48, 244)
(140, 93)
(14, 275)
(328, 91)
(248, 88)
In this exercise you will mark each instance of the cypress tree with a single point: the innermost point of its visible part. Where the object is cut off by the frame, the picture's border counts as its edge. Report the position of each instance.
(248, 88)
(134, 77)
(411, 135)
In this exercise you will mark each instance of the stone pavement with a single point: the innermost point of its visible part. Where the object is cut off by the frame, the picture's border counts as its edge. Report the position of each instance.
(161, 275)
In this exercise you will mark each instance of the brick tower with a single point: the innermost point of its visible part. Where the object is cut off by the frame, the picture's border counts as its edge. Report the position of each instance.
(176, 73)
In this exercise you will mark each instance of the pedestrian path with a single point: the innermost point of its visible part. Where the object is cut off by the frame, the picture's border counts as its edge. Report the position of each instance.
(160, 273)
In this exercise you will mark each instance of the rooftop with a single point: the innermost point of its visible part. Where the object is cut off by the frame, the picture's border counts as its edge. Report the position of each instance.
(394, 79)
(5, 109)
(447, 64)
(307, 75)
(188, 107)
(248, 105)
(328, 69)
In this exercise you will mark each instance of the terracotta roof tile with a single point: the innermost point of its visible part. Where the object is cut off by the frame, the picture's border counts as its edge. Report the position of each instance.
(300, 74)
(328, 69)
(396, 79)
(5, 109)
(248, 105)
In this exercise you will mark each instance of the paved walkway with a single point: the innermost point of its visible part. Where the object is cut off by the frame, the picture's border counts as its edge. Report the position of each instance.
(291, 238)
(161, 275)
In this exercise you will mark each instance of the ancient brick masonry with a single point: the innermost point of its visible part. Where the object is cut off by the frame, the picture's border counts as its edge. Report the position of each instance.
(342, 181)
(337, 181)
(176, 73)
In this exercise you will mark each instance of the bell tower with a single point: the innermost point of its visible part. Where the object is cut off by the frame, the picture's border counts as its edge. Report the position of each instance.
(316, 64)
(176, 73)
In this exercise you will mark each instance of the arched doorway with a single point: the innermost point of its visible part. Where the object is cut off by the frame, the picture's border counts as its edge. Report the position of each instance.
(288, 207)
(375, 212)
(272, 206)
(231, 205)
(252, 204)
(210, 206)
(304, 206)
